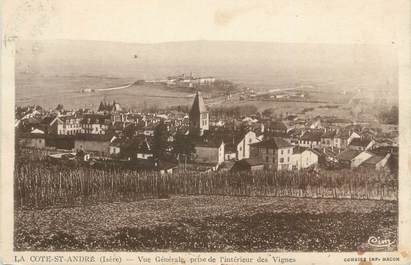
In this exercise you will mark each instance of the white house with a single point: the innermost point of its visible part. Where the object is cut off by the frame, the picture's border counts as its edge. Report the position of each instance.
(303, 158)
(361, 144)
(377, 162)
(243, 146)
(211, 152)
(310, 139)
(343, 139)
(65, 125)
(95, 124)
(353, 158)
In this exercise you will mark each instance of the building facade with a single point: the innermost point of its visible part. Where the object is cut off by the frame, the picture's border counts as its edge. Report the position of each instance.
(274, 153)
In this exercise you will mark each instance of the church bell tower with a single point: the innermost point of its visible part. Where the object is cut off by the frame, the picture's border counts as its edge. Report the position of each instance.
(199, 116)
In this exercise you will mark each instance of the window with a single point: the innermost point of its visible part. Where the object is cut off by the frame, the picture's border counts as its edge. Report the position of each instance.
(288, 159)
(266, 159)
(281, 151)
(281, 160)
(273, 159)
(249, 140)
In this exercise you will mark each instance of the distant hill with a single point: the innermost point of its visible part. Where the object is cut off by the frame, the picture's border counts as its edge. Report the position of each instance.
(258, 64)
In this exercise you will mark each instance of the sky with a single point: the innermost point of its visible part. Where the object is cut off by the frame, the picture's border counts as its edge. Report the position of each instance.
(151, 21)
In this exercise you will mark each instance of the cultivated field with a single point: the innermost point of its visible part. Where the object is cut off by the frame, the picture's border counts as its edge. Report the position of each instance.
(62, 208)
(48, 91)
(209, 223)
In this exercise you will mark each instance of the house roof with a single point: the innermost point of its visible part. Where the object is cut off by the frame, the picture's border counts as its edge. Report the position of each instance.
(273, 143)
(36, 130)
(348, 155)
(48, 119)
(32, 135)
(278, 125)
(68, 117)
(93, 137)
(312, 136)
(230, 137)
(299, 149)
(383, 150)
(374, 160)
(328, 151)
(96, 119)
(344, 134)
(328, 134)
(32, 120)
(360, 142)
(215, 143)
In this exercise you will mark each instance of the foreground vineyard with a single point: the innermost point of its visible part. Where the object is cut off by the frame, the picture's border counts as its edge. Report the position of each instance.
(39, 186)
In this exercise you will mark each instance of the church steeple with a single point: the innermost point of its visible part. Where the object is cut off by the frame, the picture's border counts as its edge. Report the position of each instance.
(199, 116)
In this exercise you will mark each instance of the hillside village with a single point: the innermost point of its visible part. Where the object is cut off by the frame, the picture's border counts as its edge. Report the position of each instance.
(172, 140)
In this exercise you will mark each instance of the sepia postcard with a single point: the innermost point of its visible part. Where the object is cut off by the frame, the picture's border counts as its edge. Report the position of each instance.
(205, 132)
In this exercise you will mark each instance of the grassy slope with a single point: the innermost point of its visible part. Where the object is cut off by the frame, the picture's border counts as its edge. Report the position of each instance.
(209, 223)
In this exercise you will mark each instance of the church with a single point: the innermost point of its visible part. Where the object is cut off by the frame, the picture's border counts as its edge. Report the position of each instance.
(209, 150)
(199, 116)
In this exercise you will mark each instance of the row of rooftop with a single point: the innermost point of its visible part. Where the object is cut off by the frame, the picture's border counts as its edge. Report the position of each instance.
(258, 142)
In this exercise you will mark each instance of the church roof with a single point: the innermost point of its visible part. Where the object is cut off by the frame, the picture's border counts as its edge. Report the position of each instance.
(198, 105)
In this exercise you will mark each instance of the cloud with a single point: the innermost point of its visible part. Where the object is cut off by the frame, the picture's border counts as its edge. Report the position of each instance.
(223, 17)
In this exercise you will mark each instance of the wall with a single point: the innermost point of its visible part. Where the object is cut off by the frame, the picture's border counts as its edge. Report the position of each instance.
(284, 158)
(207, 154)
(272, 158)
(114, 150)
(144, 156)
(359, 159)
(243, 147)
(304, 160)
(33, 142)
(100, 147)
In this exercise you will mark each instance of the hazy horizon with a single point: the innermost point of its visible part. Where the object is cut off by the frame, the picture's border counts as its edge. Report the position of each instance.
(259, 65)
(33, 56)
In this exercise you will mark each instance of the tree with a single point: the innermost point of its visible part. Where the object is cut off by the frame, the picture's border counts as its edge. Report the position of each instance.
(183, 146)
(60, 107)
(268, 112)
(160, 140)
(389, 116)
